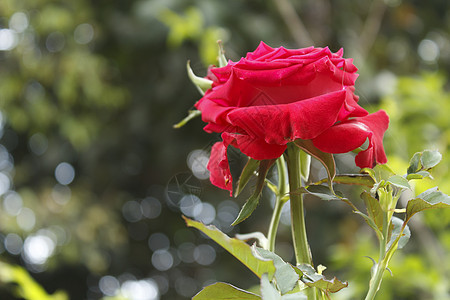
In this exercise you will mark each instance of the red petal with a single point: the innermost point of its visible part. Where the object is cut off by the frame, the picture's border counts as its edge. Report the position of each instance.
(219, 168)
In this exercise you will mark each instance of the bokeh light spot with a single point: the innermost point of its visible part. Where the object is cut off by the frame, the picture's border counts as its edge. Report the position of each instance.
(26, 219)
(204, 254)
(109, 285)
(8, 39)
(13, 243)
(428, 50)
(64, 173)
(55, 42)
(131, 211)
(38, 143)
(140, 290)
(18, 22)
(151, 207)
(37, 249)
(162, 260)
(83, 34)
(12, 203)
(158, 241)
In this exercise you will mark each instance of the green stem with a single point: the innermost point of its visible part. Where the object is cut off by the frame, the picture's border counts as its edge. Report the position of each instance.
(377, 277)
(300, 241)
(279, 203)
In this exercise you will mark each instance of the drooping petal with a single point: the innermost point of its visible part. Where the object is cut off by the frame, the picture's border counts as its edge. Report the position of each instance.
(219, 168)
(349, 135)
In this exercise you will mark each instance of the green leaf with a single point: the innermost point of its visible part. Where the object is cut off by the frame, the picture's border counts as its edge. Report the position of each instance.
(374, 211)
(430, 199)
(313, 279)
(248, 171)
(268, 291)
(414, 163)
(419, 175)
(286, 277)
(326, 159)
(430, 158)
(202, 84)
(252, 202)
(224, 291)
(239, 249)
(192, 114)
(399, 182)
(321, 191)
(399, 231)
(357, 179)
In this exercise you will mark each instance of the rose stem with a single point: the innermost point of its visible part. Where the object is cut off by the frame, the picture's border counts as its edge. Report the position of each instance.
(300, 241)
(279, 203)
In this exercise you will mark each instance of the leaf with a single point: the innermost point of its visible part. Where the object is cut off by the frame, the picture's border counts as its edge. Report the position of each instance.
(237, 248)
(399, 182)
(357, 179)
(268, 291)
(313, 279)
(286, 277)
(399, 230)
(430, 199)
(224, 291)
(419, 175)
(248, 171)
(374, 211)
(414, 163)
(202, 84)
(326, 159)
(430, 158)
(321, 191)
(252, 202)
(192, 114)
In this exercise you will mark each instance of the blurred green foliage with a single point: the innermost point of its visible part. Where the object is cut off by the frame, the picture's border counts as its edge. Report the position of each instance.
(99, 84)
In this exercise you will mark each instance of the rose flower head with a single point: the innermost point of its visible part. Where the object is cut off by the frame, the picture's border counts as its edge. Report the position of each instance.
(274, 96)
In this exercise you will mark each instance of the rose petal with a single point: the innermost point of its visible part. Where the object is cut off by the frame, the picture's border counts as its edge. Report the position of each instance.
(219, 168)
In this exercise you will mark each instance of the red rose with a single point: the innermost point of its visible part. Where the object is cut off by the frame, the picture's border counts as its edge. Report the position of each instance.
(274, 96)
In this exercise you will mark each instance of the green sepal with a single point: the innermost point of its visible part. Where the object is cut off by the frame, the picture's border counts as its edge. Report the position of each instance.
(192, 114)
(224, 291)
(326, 159)
(305, 165)
(249, 170)
(253, 201)
(202, 84)
(221, 58)
(239, 249)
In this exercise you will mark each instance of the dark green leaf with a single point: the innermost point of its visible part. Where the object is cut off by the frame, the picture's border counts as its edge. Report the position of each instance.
(326, 159)
(430, 199)
(430, 158)
(247, 173)
(286, 277)
(252, 202)
(239, 249)
(373, 209)
(399, 230)
(224, 291)
(399, 182)
(414, 163)
(268, 291)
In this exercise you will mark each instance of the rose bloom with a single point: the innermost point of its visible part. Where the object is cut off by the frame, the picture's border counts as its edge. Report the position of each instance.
(274, 96)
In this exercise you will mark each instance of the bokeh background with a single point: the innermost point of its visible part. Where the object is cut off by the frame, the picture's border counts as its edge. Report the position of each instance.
(94, 179)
